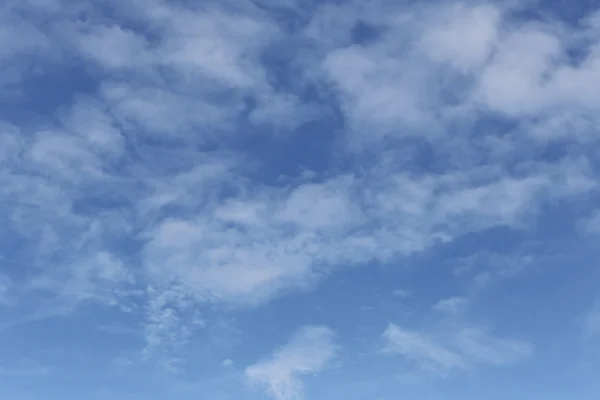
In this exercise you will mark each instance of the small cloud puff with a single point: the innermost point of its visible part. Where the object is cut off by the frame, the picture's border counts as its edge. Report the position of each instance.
(307, 352)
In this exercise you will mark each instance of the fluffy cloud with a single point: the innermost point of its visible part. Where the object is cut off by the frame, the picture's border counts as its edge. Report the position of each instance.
(308, 352)
(151, 179)
(462, 36)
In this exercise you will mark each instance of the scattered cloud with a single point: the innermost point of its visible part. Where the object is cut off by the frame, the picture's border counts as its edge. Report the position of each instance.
(454, 350)
(452, 343)
(170, 321)
(227, 363)
(308, 352)
(452, 305)
(273, 239)
(147, 179)
(486, 268)
(423, 351)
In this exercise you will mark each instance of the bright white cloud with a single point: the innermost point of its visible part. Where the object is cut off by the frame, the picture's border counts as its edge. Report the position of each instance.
(307, 353)
(517, 70)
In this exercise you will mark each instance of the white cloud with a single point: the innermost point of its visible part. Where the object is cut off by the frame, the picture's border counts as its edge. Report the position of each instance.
(110, 46)
(90, 120)
(227, 362)
(208, 228)
(321, 207)
(478, 59)
(207, 52)
(22, 48)
(485, 268)
(157, 111)
(219, 45)
(449, 343)
(171, 319)
(462, 36)
(308, 352)
(483, 348)
(246, 250)
(452, 305)
(214, 264)
(100, 277)
(380, 94)
(420, 349)
(64, 157)
(453, 348)
(530, 74)
(513, 82)
(46, 176)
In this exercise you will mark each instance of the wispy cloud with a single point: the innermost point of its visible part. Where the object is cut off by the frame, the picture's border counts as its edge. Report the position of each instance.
(422, 350)
(307, 352)
(486, 268)
(452, 305)
(20, 54)
(151, 182)
(455, 350)
(453, 344)
(227, 362)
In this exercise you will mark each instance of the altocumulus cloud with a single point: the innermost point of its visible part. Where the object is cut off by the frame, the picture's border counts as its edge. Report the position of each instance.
(198, 158)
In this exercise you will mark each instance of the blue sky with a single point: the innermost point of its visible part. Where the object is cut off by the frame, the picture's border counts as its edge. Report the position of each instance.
(297, 199)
